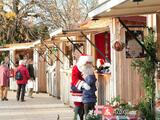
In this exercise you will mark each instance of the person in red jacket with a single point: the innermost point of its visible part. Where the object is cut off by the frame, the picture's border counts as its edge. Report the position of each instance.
(77, 84)
(22, 83)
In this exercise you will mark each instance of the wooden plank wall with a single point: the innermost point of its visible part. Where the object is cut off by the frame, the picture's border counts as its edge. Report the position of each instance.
(41, 75)
(102, 84)
(158, 35)
(65, 83)
(58, 79)
(129, 83)
(65, 79)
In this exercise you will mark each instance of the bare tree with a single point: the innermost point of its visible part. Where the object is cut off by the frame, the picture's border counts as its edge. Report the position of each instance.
(17, 21)
(28, 20)
(67, 13)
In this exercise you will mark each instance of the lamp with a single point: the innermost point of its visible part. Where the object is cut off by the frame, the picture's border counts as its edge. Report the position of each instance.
(136, 0)
(95, 19)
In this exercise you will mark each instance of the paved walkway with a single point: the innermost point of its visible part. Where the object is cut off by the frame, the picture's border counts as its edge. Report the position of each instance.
(41, 107)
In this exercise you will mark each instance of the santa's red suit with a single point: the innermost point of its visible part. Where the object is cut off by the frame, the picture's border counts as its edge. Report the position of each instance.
(77, 80)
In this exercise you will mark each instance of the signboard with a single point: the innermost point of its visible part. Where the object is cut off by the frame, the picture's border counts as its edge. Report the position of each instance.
(133, 49)
(108, 111)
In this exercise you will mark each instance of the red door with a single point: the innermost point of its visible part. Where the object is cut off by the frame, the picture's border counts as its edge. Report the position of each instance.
(102, 41)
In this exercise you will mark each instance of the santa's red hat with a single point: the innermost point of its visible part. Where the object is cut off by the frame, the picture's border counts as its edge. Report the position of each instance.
(84, 58)
(100, 62)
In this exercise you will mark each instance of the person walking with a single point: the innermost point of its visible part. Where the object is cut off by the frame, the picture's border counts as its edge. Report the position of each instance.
(21, 83)
(32, 77)
(4, 80)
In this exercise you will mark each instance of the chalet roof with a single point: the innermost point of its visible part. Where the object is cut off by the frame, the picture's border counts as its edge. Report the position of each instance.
(17, 46)
(66, 33)
(117, 8)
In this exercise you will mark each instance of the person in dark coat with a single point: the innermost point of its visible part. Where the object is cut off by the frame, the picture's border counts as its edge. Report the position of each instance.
(32, 77)
(22, 83)
(89, 96)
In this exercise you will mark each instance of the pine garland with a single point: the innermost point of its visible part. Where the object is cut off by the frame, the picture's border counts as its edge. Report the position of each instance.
(147, 69)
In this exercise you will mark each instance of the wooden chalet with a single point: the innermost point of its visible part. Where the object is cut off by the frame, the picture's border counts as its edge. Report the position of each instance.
(27, 50)
(127, 16)
(102, 33)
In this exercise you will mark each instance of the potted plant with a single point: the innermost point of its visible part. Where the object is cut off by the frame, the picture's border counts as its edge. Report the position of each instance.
(92, 116)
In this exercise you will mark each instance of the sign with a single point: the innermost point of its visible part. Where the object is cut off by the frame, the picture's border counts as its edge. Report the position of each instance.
(133, 49)
(108, 111)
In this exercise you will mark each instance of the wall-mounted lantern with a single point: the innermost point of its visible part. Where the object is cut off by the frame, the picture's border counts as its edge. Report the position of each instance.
(137, 1)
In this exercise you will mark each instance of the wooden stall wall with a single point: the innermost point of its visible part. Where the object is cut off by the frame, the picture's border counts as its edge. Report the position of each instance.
(50, 74)
(65, 86)
(41, 75)
(158, 34)
(56, 81)
(35, 65)
(103, 91)
(12, 82)
(129, 83)
(64, 76)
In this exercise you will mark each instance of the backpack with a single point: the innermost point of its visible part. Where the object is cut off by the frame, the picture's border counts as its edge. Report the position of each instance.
(18, 75)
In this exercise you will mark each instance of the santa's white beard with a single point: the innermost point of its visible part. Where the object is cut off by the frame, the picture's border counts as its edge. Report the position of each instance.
(86, 70)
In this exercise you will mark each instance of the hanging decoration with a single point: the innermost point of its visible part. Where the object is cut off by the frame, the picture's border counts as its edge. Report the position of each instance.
(118, 45)
(55, 49)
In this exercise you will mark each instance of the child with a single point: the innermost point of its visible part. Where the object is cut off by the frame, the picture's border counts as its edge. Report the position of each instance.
(89, 97)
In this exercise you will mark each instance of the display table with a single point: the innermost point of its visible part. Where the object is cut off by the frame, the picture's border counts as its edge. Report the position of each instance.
(108, 114)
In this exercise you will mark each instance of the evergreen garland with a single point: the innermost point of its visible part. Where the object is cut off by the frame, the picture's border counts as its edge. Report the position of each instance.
(147, 67)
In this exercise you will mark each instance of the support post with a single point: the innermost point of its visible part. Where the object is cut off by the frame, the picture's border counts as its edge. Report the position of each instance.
(51, 51)
(42, 57)
(10, 59)
(74, 45)
(61, 51)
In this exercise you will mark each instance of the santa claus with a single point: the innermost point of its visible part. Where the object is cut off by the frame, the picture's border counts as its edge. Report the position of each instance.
(78, 84)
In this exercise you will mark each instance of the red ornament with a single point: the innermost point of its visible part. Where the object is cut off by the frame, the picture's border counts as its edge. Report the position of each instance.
(118, 46)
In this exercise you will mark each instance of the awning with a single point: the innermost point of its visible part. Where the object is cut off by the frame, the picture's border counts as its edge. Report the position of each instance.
(67, 33)
(119, 8)
(20, 46)
(82, 32)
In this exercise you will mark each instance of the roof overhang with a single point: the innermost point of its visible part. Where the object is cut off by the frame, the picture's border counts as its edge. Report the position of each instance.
(117, 8)
(20, 46)
(67, 33)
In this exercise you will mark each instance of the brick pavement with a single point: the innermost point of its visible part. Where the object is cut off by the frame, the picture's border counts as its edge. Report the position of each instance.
(41, 107)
